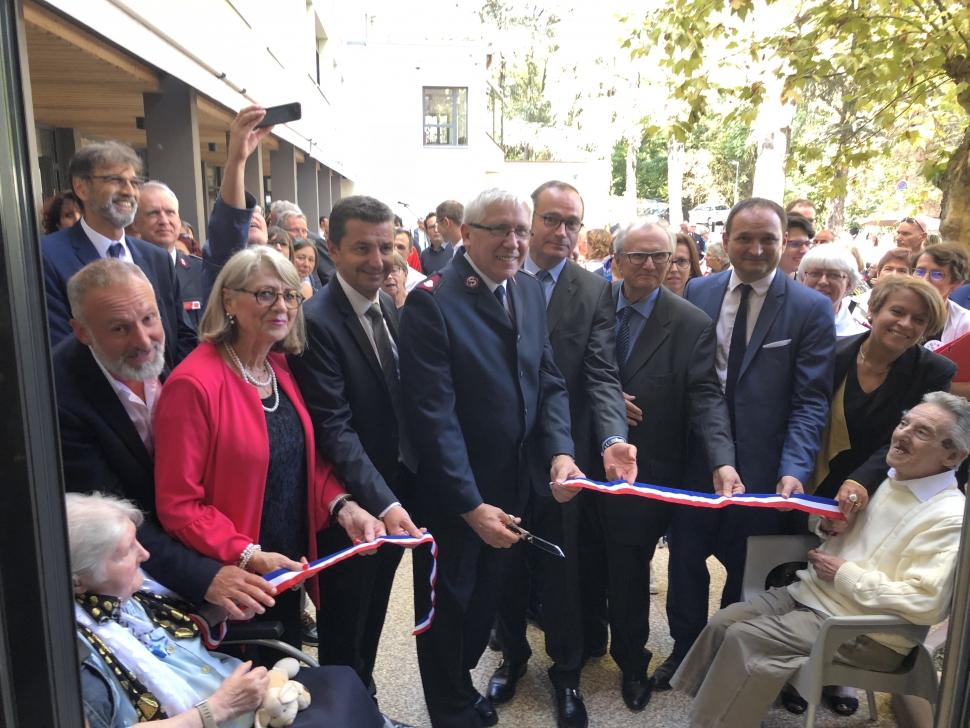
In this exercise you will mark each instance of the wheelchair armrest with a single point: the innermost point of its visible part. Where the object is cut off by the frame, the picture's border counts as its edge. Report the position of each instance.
(836, 631)
(249, 631)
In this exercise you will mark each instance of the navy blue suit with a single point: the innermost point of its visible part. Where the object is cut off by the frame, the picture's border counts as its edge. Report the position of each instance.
(481, 389)
(961, 296)
(101, 450)
(357, 430)
(67, 251)
(781, 408)
(189, 270)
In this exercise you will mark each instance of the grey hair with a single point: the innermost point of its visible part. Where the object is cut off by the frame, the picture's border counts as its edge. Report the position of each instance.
(154, 184)
(278, 207)
(95, 524)
(832, 257)
(717, 251)
(476, 209)
(288, 215)
(215, 326)
(643, 224)
(99, 275)
(959, 408)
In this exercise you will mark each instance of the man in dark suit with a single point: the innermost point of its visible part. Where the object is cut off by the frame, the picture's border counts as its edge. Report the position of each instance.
(775, 349)
(104, 177)
(349, 379)
(107, 378)
(665, 351)
(157, 221)
(580, 319)
(481, 391)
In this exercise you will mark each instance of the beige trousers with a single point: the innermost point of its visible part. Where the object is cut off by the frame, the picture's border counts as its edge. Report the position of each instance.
(747, 652)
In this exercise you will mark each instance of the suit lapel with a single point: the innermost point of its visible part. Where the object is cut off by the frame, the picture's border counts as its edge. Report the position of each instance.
(353, 325)
(772, 305)
(655, 331)
(486, 304)
(103, 399)
(562, 293)
(83, 247)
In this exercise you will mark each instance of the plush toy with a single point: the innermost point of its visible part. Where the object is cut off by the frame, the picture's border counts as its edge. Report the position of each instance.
(284, 696)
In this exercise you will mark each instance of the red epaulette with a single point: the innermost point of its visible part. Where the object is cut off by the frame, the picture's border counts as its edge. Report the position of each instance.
(431, 282)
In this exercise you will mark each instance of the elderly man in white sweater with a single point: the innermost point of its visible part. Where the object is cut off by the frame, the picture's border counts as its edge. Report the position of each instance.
(896, 557)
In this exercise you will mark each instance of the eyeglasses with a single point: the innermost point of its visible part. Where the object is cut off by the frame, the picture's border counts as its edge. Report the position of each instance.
(658, 259)
(267, 297)
(116, 180)
(800, 244)
(681, 262)
(500, 232)
(552, 221)
(912, 221)
(816, 275)
(935, 275)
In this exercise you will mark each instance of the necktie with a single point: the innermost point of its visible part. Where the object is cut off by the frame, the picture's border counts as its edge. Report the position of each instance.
(385, 354)
(739, 344)
(545, 278)
(623, 334)
(500, 295)
(116, 250)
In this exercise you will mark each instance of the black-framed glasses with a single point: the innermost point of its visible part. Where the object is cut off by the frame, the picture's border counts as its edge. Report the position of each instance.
(116, 180)
(500, 232)
(936, 275)
(267, 297)
(553, 221)
(681, 262)
(658, 259)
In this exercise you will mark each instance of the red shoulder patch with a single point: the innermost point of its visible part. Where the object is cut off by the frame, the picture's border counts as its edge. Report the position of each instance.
(431, 282)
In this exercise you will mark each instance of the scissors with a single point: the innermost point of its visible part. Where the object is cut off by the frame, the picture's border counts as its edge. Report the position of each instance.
(539, 543)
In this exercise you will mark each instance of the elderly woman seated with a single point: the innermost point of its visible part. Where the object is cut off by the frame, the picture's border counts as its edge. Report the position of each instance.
(143, 654)
(896, 557)
(831, 270)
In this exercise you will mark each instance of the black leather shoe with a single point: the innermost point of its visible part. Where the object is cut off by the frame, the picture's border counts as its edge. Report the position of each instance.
(570, 709)
(636, 691)
(486, 711)
(661, 678)
(501, 688)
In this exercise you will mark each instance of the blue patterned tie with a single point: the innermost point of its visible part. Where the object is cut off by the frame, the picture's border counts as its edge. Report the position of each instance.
(116, 250)
(545, 278)
(623, 334)
(500, 295)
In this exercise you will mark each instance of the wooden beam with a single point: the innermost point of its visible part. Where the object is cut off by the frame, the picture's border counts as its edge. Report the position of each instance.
(57, 26)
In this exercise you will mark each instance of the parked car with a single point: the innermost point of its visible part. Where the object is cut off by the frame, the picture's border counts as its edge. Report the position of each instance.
(709, 215)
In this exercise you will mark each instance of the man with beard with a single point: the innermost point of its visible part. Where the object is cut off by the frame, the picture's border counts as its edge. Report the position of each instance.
(105, 178)
(107, 378)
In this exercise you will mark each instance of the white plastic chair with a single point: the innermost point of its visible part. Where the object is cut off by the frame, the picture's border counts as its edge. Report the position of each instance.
(917, 674)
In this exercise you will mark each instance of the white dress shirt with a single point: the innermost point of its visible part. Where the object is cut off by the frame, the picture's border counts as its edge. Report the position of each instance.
(729, 312)
(140, 411)
(101, 242)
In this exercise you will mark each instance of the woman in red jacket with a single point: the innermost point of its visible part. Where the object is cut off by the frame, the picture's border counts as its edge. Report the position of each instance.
(236, 472)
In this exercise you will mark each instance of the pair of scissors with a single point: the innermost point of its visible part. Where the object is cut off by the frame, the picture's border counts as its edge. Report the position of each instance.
(539, 543)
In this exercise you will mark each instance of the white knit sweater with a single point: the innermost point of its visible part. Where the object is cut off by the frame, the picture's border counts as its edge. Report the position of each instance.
(900, 554)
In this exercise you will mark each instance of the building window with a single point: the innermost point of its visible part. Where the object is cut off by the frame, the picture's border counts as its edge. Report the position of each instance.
(445, 116)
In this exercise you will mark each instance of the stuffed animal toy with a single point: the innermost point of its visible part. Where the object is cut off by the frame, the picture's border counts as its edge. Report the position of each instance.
(284, 696)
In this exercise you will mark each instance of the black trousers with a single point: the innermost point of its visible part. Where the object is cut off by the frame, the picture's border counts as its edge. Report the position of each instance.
(468, 578)
(558, 582)
(696, 534)
(628, 563)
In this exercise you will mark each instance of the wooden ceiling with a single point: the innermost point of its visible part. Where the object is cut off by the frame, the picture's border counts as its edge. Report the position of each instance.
(81, 81)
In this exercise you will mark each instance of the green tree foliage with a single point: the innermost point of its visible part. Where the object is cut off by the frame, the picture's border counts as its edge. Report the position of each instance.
(877, 63)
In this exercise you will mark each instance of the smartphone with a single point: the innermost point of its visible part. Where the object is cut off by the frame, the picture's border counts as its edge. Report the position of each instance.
(281, 114)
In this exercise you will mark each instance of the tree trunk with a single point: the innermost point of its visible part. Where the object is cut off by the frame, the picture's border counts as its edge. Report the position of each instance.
(772, 133)
(955, 222)
(675, 183)
(630, 193)
(836, 219)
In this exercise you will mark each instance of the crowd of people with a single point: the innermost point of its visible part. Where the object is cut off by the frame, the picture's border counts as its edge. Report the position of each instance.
(290, 393)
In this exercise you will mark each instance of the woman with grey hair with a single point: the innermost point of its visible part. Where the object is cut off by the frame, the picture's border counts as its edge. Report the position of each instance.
(831, 270)
(143, 651)
(237, 476)
(716, 258)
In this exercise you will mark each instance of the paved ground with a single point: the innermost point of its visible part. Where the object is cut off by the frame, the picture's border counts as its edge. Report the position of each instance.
(400, 694)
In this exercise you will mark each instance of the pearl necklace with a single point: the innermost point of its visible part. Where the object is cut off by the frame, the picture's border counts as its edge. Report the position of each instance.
(248, 377)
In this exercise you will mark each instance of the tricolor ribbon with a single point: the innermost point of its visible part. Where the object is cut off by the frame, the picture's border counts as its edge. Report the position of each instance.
(284, 579)
(826, 507)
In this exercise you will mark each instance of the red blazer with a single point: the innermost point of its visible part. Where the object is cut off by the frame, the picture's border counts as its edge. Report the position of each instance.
(212, 456)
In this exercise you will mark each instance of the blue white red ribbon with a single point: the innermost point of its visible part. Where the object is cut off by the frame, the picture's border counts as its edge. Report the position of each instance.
(826, 507)
(284, 579)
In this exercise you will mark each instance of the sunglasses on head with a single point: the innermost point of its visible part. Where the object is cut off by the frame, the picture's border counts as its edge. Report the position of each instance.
(912, 221)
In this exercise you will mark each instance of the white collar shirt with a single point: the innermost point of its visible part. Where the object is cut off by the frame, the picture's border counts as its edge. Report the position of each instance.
(729, 312)
(361, 306)
(101, 242)
(927, 487)
(140, 411)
